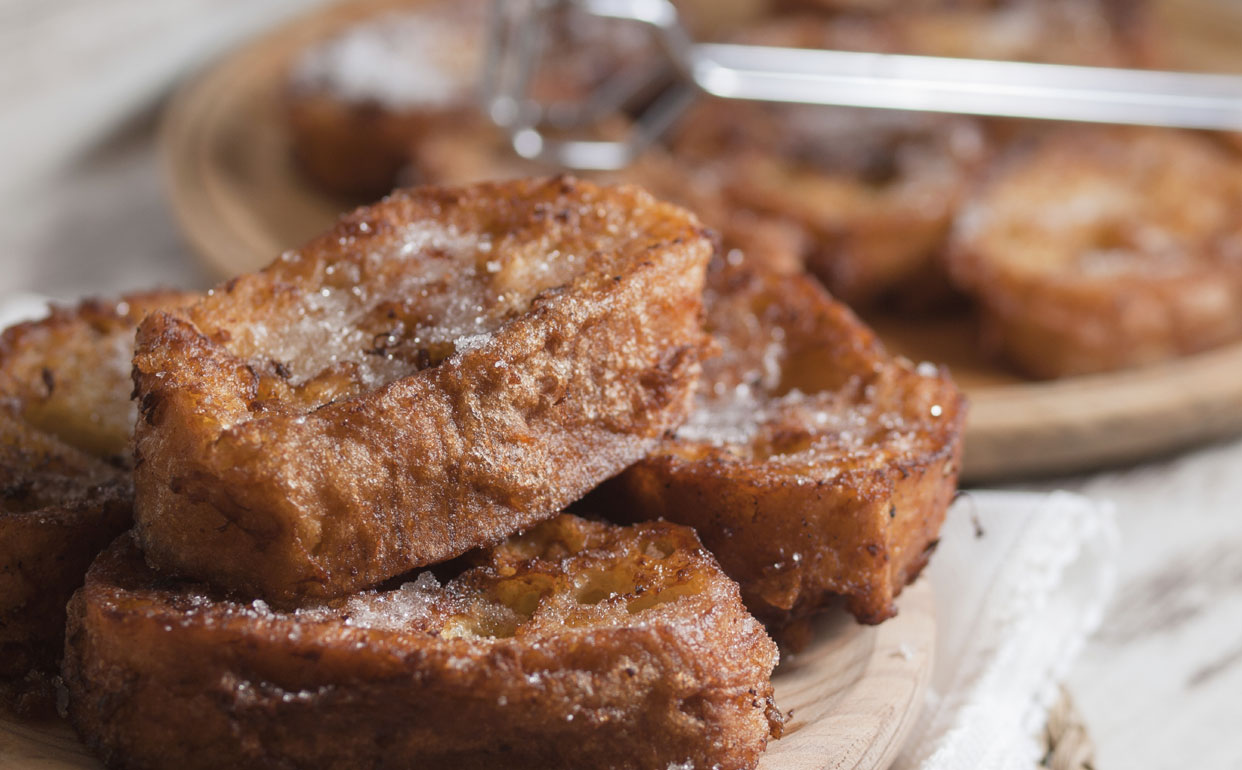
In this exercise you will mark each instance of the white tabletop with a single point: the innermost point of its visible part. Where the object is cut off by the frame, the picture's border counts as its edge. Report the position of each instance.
(82, 210)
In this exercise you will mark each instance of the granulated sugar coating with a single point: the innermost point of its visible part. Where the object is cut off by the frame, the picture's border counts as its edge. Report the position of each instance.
(578, 644)
(376, 320)
(815, 465)
(440, 370)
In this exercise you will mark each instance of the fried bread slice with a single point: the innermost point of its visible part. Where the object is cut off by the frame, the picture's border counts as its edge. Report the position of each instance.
(355, 102)
(578, 644)
(65, 421)
(58, 508)
(1094, 249)
(439, 371)
(872, 193)
(816, 465)
(69, 373)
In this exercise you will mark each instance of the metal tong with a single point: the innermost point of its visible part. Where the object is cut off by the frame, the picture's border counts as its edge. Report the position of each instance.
(805, 76)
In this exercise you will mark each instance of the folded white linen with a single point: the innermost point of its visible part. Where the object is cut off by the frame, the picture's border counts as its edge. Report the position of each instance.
(1021, 580)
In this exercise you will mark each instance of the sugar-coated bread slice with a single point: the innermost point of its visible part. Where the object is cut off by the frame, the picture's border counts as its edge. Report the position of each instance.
(59, 507)
(357, 100)
(576, 645)
(1093, 249)
(65, 493)
(69, 374)
(442, 369)
(816, 465)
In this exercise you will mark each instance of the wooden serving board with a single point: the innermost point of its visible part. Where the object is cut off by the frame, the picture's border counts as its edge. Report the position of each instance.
(855, 693)
(241, 202)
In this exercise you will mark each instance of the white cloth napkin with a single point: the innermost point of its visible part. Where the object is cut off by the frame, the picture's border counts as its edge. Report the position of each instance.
(1021, 581)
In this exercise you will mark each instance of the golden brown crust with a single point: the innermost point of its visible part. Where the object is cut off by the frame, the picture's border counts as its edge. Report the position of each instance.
(58, 509)
(65, 420)
(69, 374)
(869, 234)
(816, 465)
(1099, 248)
(439, 371)
(578, 645)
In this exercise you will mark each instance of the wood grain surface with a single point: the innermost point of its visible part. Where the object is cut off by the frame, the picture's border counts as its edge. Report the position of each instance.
(854, 694)
(241, 202)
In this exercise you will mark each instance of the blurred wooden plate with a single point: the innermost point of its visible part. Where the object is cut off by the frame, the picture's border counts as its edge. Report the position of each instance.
(855, 692)
(241, 202)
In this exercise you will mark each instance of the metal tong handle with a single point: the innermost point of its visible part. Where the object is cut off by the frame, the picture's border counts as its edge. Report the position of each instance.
(843, 78)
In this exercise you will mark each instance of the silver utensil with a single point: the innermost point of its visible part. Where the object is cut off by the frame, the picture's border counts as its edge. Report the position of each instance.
(805, 76)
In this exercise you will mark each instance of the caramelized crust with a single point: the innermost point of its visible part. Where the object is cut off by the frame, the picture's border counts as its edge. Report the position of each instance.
(816, 465)
(65, 420)
(863, 198)
(441, 370)
(578, 644)
(1097, 249)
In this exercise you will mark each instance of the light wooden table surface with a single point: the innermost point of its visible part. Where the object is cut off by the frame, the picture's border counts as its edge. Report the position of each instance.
(82, 211)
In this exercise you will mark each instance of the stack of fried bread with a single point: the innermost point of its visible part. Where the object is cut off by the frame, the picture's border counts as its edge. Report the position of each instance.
(65, 424)
(350, 474)
(891, 211)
